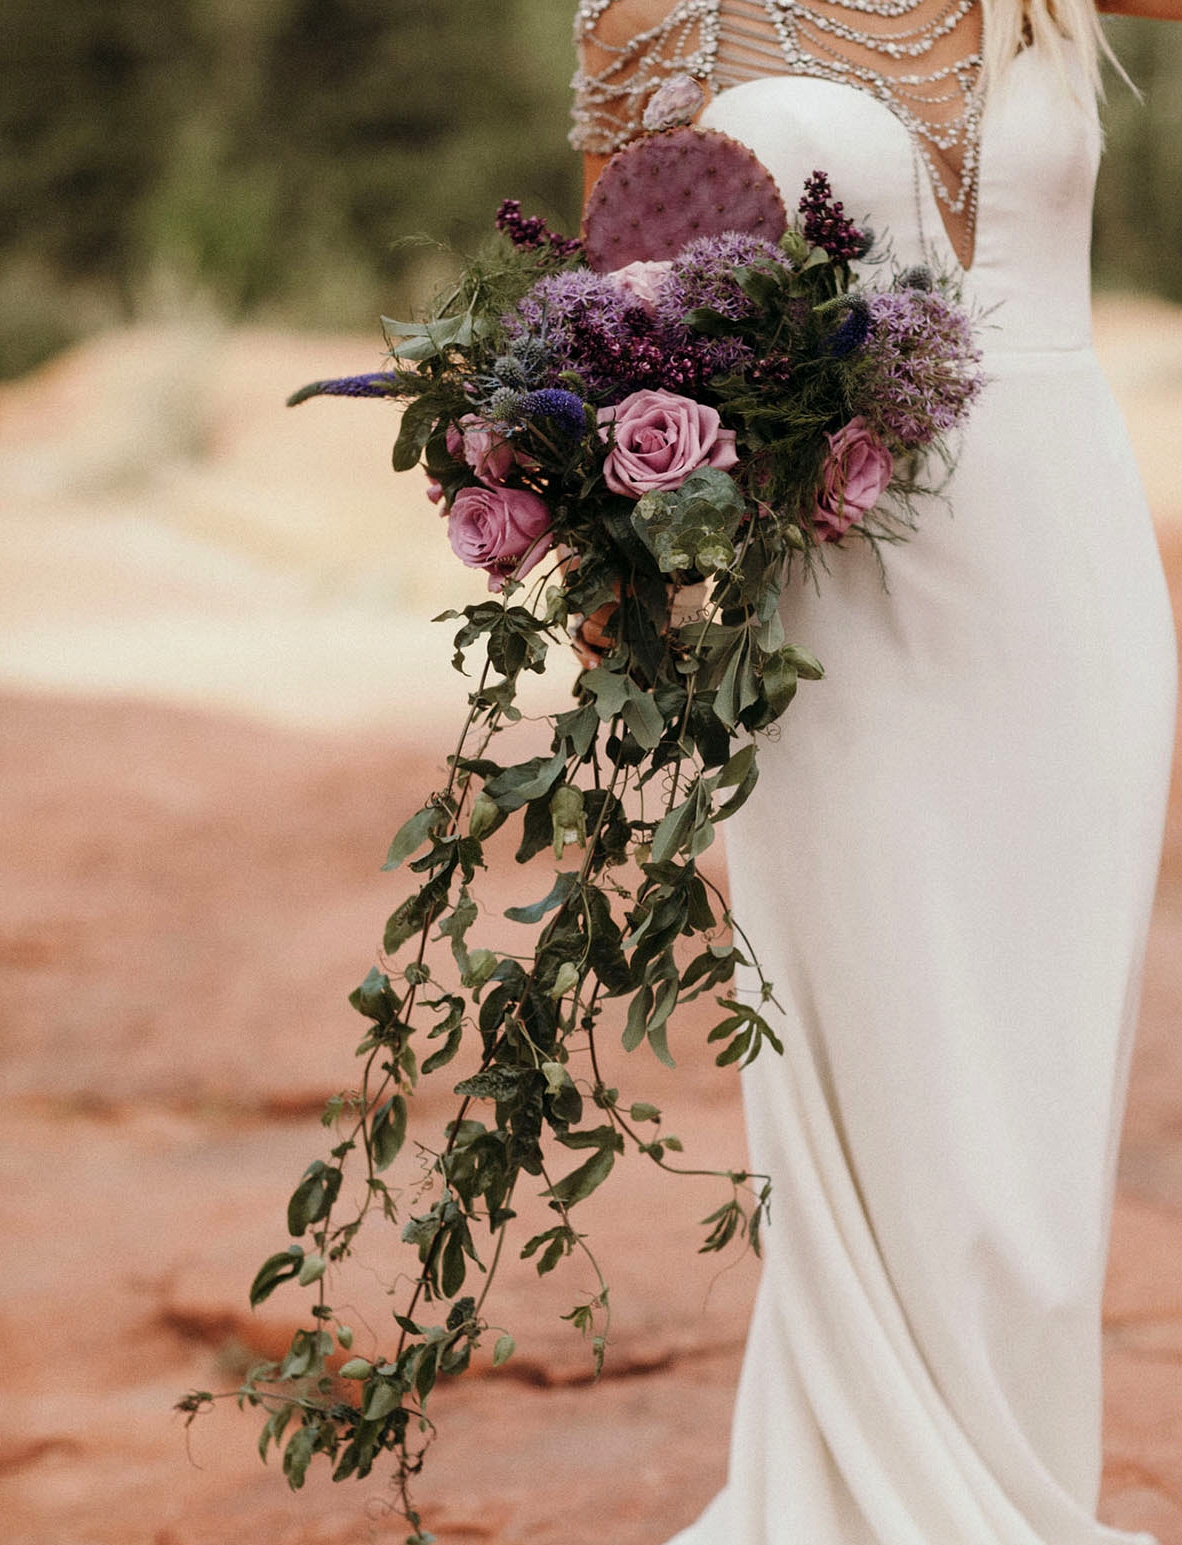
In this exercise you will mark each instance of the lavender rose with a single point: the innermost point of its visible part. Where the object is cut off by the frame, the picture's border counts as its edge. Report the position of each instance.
(660, 438)
(857, 471)
(504, 531)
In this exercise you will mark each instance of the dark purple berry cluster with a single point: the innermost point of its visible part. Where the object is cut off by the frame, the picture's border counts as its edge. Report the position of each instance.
(772, 370)
(532, 232)
(825, 223)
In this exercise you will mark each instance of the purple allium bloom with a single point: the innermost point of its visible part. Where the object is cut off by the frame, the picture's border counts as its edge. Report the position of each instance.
(703, 275)
(563, 408)
(532, 232)
(854, 329)
(588, 326)
(609, 339)
(925, 367)
(826, 224)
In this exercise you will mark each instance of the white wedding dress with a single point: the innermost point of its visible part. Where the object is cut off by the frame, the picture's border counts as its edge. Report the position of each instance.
(947, 870)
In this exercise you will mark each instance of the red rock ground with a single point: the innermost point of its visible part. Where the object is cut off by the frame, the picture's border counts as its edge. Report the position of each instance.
(189, 896)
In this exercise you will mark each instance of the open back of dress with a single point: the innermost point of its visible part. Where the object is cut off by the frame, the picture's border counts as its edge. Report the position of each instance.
(948, 865)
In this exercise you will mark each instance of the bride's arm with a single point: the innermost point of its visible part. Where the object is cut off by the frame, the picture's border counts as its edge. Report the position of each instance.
(1154, 10)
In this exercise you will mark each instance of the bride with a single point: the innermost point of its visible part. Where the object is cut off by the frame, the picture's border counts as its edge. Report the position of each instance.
(949, 861)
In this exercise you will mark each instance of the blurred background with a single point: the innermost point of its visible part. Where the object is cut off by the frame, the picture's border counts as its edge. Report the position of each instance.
(268, 157)
(220, 694)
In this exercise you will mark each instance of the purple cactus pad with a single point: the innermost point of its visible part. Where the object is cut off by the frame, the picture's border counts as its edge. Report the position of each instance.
(661, 192)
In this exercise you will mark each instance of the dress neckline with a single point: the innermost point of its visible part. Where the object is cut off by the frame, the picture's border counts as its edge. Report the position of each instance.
(729, 43)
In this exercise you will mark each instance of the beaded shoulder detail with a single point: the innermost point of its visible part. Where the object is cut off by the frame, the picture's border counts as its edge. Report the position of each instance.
(921, 58)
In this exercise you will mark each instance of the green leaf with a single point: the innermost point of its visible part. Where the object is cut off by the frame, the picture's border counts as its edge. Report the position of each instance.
(565, 980)
(638, 1011)
(274, 1270)
(565, 884)
(454, 1270)
(298, 1454)
(807, 665)
(559, 1241)
(388, 1132)
(643, 718)
(413, 833)
(312, 1199)
(517, 786)
(609, 688)
(383, 1397)
(581, 1182)
(642, 1112)
(446, 1052)
(418, 420)
(504, 1349)
(674, 830)
(376, 999)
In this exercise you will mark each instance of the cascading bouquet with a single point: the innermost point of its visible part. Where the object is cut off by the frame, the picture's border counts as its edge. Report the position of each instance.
(649, 426)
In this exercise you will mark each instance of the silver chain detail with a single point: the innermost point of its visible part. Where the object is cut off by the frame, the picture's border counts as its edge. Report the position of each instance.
(714, 41)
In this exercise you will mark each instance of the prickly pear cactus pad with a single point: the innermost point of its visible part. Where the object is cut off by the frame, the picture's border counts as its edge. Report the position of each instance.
(662, 191)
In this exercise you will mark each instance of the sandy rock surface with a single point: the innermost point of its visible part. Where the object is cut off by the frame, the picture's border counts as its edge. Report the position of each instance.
(219, 697)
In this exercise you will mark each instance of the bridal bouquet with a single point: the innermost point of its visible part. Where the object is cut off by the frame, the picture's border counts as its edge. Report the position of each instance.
(650, 427)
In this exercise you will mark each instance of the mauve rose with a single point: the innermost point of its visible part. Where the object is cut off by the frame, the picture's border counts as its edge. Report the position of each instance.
(486, 450)
(642, 280)
(501, 530)
(660, 438)
(857, 471)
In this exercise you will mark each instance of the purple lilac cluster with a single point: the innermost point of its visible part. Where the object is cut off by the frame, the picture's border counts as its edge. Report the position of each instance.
(609, 338)
(826, 224)
(532, 232)
(924, 366)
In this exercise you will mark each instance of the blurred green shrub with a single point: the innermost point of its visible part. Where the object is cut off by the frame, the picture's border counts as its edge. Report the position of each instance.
(267, 156)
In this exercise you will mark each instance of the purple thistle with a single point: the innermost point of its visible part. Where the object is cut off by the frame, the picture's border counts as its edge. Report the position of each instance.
(531, 231)
(826, 224)
(380, 383)
(561, 407)
(854, 329)
(924, 365)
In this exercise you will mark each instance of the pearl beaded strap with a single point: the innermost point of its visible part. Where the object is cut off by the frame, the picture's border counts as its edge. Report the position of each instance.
(726, 42)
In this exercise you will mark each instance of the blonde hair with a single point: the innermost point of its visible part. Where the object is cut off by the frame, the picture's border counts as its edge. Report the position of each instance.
(1049, 25)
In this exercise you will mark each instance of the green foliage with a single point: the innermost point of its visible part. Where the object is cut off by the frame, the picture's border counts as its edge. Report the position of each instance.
(269, 152)
(633, 919)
